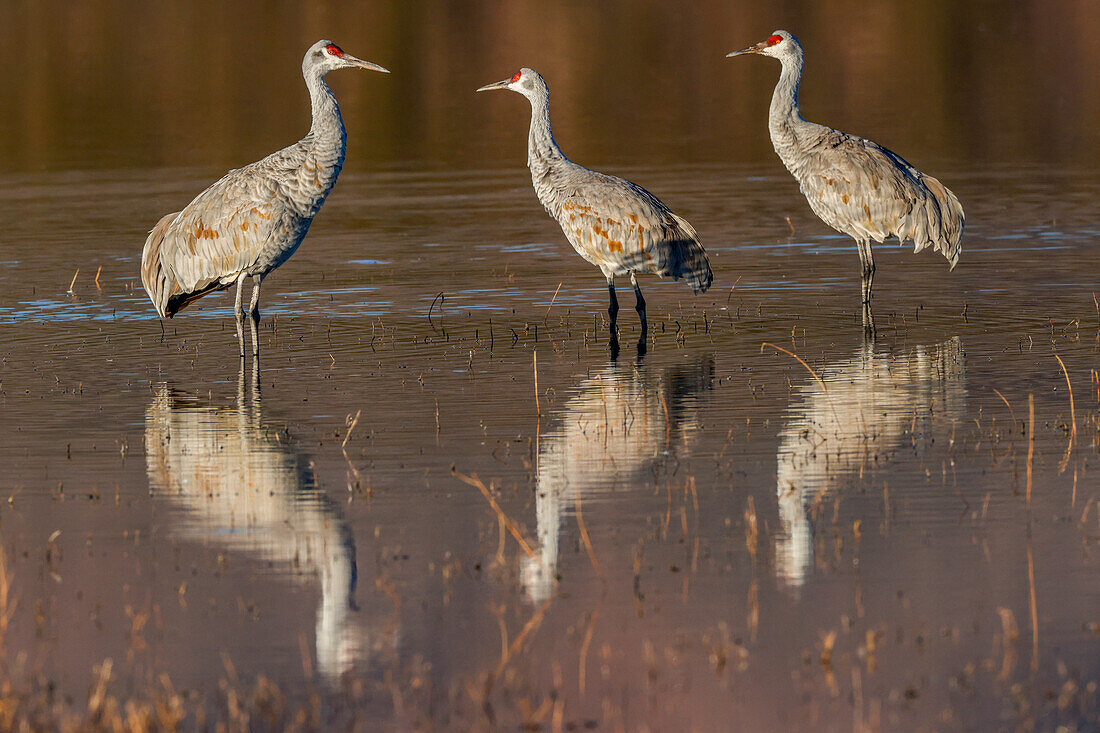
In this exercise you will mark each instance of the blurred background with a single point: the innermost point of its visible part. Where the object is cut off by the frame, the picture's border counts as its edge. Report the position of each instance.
(109, 84)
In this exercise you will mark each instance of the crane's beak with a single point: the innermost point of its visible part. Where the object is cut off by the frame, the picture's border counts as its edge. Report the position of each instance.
(361, 64)
(495, 85)
(751, 49)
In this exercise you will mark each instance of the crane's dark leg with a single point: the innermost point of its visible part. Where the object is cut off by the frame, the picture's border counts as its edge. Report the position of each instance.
(254, 313)
(238, 313)
(867, 260)
(640, 307)
(613, 314)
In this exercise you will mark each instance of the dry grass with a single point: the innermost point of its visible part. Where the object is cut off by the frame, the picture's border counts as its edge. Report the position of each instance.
(551, 303)
(1010, 410)
(503, 518)
(1030, 443)
(1072, 418)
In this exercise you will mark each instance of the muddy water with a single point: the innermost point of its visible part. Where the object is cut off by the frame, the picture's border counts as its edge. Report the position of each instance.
(768, 519)
(707, 533)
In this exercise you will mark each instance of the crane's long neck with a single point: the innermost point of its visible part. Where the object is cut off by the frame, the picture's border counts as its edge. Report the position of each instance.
(543, 153)
(785, 121)
(327, 138)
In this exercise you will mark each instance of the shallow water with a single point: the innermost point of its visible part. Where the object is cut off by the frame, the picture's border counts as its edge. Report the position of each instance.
(698, 526)
(766, 519)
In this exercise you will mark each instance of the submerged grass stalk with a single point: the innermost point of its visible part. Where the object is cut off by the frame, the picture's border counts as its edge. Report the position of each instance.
(551, 303)
(1010, 410)
(535, 366)
(1030, 443)
(504, 518)
(1072, 418)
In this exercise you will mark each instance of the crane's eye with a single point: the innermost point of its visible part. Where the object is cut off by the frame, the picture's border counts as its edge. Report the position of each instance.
(772, 40)
(516, 77)
(334, 50)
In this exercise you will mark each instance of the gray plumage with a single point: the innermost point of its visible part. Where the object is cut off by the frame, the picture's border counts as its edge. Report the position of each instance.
(854, 185)
(253, 219)
(616, 225)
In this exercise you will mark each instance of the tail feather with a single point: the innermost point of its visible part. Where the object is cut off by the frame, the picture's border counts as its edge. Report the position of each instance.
(158, 283)
(938, 221)
(168, 296)
(179, 301)
(689, 259)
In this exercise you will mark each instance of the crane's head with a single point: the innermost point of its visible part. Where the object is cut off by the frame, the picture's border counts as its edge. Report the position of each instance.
(527, 82)
(778, 45)
(325, 56)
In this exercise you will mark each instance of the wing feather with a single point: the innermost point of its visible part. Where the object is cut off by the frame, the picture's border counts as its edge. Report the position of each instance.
(220, 234)
(620, 227)
(870, 193)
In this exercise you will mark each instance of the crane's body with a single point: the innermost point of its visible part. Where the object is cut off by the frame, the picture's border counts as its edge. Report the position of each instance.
(616, 225)
(854, 185)
(254, 218)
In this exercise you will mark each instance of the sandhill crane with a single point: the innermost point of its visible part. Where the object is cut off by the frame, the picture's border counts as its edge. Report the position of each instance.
(854, 185)
(864, 409)
(616, 225)
(614, 433)
(252, 219)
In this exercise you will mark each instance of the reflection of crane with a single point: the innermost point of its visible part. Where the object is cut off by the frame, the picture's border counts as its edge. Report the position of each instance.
(620, 425)
(616, 225)
(236, 486)
(854, 185)
(253, 219)
(871, 403)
